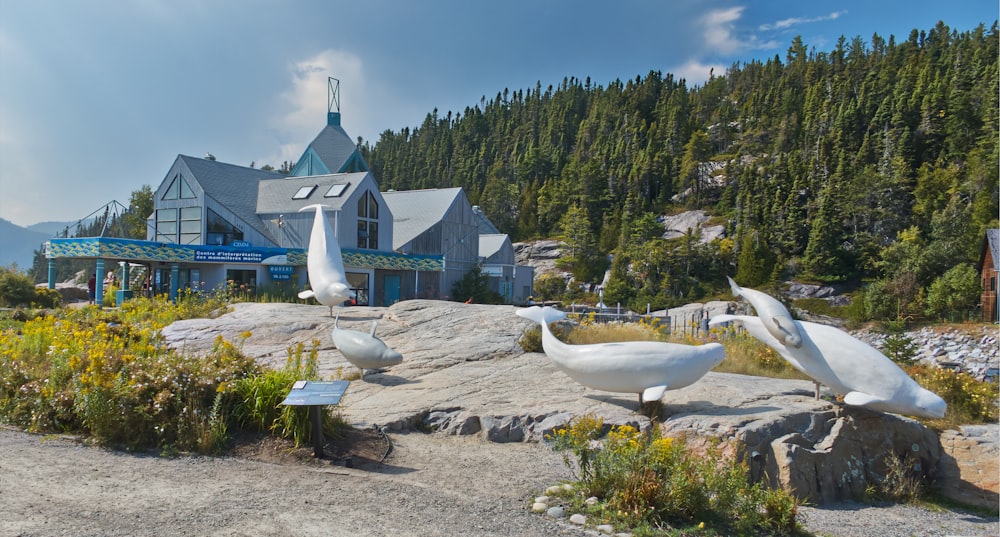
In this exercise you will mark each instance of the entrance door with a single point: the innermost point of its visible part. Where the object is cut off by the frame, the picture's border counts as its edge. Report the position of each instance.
(391, 286)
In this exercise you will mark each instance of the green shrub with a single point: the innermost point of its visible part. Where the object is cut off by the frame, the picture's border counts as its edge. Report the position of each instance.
(531, 340)
(954, 293)
(969, 400)
(647, 480)
(16, 289)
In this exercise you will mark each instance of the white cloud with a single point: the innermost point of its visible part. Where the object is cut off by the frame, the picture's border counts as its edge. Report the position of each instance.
(794, 21)
(306, 98)
(719, 26)
(696, 73)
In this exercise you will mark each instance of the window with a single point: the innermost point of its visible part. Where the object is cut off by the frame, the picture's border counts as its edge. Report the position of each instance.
(336, 190)
(219, 231)
(181, 226)
(368, 222)
(190, 225)
(178, 189)
(166, 225)
(304, 192)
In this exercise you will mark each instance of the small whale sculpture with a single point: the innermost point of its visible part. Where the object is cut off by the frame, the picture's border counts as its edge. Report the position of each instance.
(364, 350)
(647, 368)
(325, 264)
(772, 313)
(848, 366)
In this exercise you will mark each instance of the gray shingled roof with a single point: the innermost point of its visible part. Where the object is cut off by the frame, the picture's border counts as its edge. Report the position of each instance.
(993, 238)
(276, 196)
(490, 244)
(334, 147)
(415, 211)
(232, 186)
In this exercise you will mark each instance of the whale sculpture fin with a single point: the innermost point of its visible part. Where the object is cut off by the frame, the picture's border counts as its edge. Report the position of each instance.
(306, 294)
(861, 399)
(653, 394)
(737, 290)
(318, 206)
(374, 324)
(721, 319)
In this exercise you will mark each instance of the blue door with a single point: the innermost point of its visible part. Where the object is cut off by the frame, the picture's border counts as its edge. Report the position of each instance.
(391, 286)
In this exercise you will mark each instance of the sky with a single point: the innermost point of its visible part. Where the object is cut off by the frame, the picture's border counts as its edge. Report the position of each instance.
(98, 98)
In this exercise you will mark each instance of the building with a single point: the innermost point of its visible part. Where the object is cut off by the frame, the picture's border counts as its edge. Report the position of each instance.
(989, 261)
(216, 225)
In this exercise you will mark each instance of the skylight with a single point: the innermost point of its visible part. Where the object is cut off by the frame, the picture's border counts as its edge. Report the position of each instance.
(336, 190)
(304, 192)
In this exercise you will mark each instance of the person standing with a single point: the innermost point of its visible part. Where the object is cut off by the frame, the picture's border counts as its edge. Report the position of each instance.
(91, 288)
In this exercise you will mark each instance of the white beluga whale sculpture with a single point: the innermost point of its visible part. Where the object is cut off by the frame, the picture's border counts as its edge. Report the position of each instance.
(848, 366)
(648, 368)
(325, 264)
(772, 313)
(363, 350)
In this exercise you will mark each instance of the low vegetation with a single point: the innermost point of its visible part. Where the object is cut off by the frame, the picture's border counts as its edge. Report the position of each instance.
(108, 374)
(654, 485)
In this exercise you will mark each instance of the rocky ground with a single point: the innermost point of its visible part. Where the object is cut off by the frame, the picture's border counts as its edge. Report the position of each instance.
(463, 376)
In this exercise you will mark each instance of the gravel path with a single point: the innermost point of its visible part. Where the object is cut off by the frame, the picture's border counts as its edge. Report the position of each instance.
(430, 485)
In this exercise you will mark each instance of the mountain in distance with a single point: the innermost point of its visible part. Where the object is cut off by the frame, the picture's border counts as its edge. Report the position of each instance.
(18, 244)
(51, 228)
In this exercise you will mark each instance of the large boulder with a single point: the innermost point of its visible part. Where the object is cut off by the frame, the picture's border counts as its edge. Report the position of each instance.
(464, 373)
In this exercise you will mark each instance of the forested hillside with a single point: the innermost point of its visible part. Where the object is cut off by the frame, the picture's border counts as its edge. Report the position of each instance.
(876, 162)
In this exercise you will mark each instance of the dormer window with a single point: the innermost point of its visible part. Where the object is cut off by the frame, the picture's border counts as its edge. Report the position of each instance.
(336, 190)
(304, 192)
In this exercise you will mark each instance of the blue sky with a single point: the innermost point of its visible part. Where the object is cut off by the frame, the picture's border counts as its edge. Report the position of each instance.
(97, 98)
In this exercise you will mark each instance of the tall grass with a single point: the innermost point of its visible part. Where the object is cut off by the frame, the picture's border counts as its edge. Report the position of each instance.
(643, 479)
(257, 400)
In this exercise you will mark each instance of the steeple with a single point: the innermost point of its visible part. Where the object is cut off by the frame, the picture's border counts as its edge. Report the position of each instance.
(332, 151)
(332, 99)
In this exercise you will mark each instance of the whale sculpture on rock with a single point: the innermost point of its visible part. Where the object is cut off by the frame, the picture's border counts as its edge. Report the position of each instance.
(364, 350)
(647, 368)
(325, 264)
(772, 313)
(848, 366)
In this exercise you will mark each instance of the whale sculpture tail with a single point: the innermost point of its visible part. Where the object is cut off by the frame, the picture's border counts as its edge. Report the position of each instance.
(541, 315)
(772, 313)
(721, 319)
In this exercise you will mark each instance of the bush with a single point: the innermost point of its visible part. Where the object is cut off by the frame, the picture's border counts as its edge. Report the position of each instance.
(16, 289)
(969, 400)
(645, 479)
(954, 293)
(108, 374)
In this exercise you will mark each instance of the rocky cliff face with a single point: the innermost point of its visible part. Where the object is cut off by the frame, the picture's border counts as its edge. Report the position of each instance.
(465, 374)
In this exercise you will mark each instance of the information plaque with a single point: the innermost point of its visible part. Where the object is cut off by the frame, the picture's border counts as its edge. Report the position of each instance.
(311, 393)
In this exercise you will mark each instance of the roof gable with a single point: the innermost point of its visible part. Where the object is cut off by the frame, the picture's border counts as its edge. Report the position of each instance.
(416, 211)
(991, 247)
(492, 244)
(234, 187)
(332, 151)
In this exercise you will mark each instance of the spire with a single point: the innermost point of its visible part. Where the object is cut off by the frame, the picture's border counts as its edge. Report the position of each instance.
(332, 99)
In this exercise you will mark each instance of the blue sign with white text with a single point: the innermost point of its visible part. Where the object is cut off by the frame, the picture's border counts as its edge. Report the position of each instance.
(281, 272)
